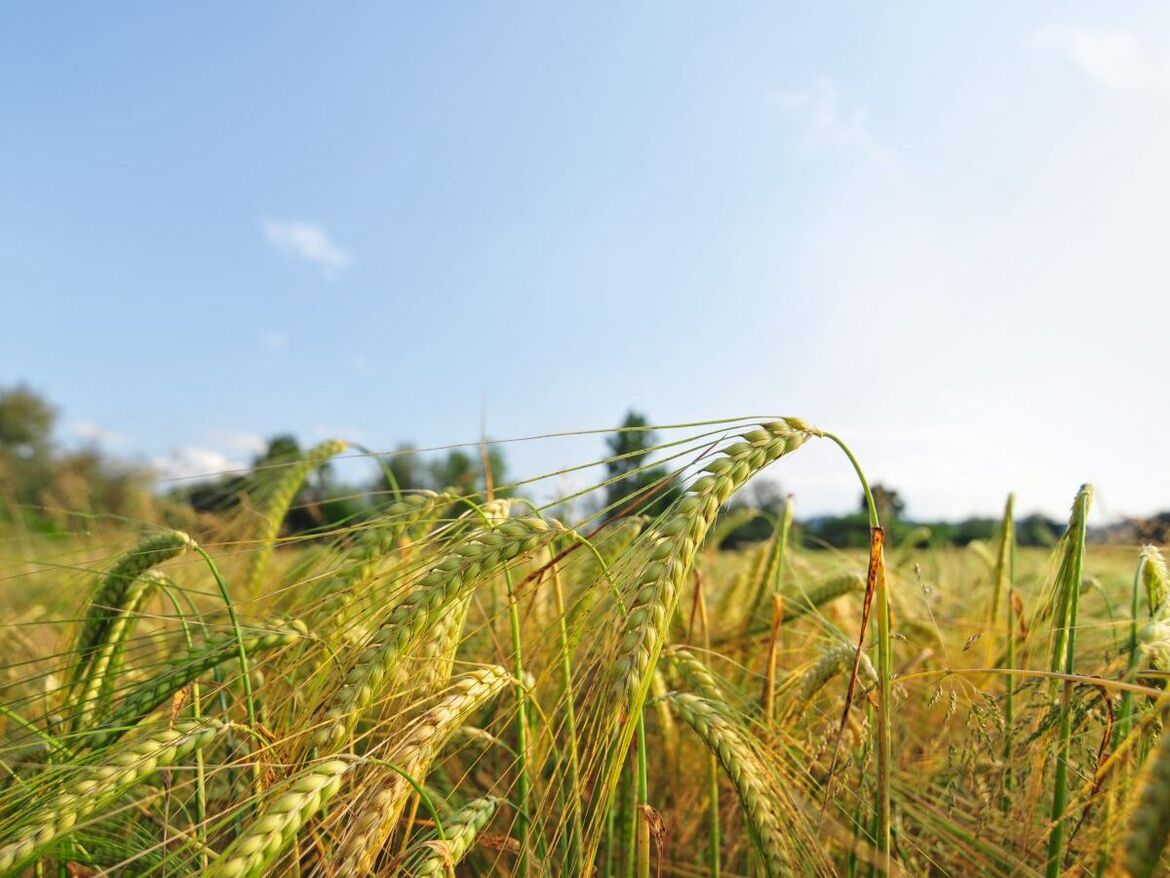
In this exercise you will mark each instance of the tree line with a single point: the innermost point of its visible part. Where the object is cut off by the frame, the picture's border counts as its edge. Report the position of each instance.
(50, 487)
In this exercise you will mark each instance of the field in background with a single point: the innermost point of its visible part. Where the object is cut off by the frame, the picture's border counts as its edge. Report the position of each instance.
(466, 682)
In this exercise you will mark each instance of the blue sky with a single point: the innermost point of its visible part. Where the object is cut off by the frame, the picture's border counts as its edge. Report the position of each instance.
(938, 229)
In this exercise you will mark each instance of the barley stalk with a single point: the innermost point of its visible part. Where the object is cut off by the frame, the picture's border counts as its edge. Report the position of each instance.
(152, 693)
(449, 581)
(672, 547)
(674, 544)
(101, 784)
(434, 859)
(378, 808)
(757, 797)
(103, 670)
(263, 840)
(110, 597)
(278, 498)
(1067, 599)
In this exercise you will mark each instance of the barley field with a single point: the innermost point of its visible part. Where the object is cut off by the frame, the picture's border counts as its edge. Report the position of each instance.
(475, 684)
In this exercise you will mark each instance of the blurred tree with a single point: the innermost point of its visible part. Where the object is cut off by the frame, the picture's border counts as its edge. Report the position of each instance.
(407, 468)
(26, 450)
(888, 501)
(282, 448)
(628, 473)
(26, 422)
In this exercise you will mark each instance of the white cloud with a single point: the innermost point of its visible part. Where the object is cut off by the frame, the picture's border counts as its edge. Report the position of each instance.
(275, 340)
(191, 461)
(240, 443)
(829, 124)
(1115, 59)
(87, 431)
(310, 241)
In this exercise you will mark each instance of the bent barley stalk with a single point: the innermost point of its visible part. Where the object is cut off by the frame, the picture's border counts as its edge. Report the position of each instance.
(102, 784)
(672, 547)
(436, 859)
(377, 810)
(757, 798)
(110, 597)
(152, 693)
(1150, 823)
(276, 500)
(263, 840)
(103, 670)
(447, 583)
(674, 544)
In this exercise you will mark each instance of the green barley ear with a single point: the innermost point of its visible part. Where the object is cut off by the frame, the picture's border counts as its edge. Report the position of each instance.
(653, 595)
(376, 812)
(435, 859)
(110, 597)
(758, 797)
(100, 785)
(1150, 823)
(263, 840)
(673, 546)
(836, 659)
(1156, 581)
(276, 497)
(1061, 596)
(150, 694)
(695, 675)
(1064, 599)
(802, 601)
(1154, 639)
(444, 586)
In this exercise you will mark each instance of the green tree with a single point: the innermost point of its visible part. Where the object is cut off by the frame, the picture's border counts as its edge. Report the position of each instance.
(26, 422)
(888, 501)
(26, 449)
(629, 475)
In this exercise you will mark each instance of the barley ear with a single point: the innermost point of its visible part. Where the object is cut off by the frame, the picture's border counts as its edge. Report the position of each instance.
(263, 840)
(100, 785)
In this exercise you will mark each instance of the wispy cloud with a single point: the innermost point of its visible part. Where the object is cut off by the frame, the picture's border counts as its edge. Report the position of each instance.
(1114, 58)
(309, 241)
(191, 461)
(241, 443)
(275, 340)
(829, 122)
(87, 431)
